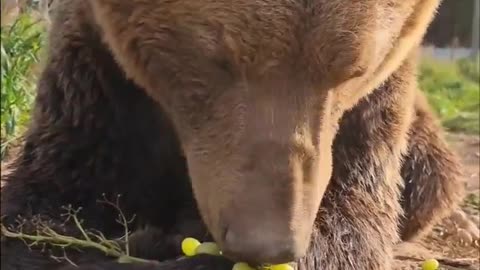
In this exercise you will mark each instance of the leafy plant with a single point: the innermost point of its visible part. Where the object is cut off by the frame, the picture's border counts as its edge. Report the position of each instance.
(21, 43)
(470, 67)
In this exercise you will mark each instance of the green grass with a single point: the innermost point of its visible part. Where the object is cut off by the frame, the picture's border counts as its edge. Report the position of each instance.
(21, 42)
(453, 91)
(470, 68)
(472, 201)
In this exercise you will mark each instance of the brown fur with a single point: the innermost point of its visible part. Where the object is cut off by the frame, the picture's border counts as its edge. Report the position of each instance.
(272, 53)
(365, 181)
(433, 179)
(294, 118)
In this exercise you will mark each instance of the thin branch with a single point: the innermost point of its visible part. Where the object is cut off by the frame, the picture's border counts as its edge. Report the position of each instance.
(123, 220)
(62, 240)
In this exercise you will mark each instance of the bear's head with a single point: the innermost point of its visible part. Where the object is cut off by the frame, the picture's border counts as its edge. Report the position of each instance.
(255, 90)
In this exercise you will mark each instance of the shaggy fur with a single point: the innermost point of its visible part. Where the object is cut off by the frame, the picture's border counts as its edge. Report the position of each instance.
(134, 92)
(432, 176)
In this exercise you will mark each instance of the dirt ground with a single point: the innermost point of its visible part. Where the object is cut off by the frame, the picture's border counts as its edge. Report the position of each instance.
(439, 244)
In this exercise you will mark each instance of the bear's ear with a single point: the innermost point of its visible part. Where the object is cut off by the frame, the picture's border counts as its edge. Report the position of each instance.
(143, 34)
(410, 37)
(158, 42)
(127, 28)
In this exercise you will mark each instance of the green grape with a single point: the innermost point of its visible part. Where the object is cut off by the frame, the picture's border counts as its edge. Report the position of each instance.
(284, 266)
(208, 248)
(242, 266)
(430, 264)
(189, 245)
(124, 259)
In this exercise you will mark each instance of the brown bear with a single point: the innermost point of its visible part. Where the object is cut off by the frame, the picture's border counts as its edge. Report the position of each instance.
(286, 127)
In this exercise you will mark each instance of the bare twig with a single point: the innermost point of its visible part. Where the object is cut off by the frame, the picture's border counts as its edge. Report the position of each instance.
(122, 219)
(64, 258)
(44, 234)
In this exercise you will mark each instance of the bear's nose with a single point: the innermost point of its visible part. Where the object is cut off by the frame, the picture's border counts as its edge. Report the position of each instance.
(258, 247)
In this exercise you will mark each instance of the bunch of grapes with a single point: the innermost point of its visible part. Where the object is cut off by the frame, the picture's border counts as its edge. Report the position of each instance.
(191, 247)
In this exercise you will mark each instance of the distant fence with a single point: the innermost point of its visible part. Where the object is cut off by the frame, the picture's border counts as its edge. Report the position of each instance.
(446, 54)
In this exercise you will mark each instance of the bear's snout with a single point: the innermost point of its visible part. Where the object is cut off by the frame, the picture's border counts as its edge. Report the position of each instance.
(261, 245)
